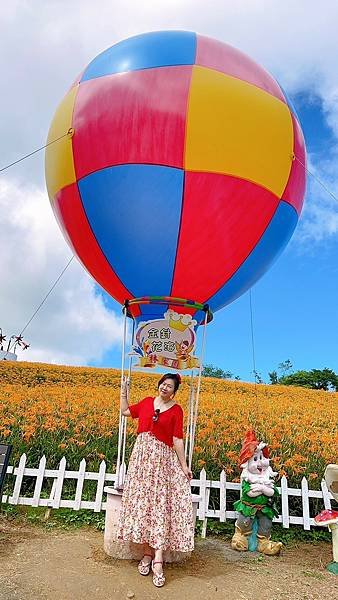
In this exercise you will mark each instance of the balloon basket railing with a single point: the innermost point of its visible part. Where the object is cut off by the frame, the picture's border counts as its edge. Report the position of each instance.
(126, 373)
(112, 546)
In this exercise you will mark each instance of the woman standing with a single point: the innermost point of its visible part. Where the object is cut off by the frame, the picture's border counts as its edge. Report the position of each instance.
(156, 508)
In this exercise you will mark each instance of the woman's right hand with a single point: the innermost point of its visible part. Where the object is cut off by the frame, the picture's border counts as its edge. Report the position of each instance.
(124, 387)
(124, 397)
(187, 472)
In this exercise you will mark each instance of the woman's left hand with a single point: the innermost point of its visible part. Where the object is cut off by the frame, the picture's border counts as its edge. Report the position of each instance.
(187, 472)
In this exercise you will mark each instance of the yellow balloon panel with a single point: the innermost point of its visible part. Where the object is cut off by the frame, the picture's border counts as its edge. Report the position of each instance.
(238, 129)
(59, 163)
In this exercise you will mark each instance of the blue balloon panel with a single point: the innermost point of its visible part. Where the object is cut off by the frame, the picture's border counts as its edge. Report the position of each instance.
(270, 246)
(134, 212)
(145, 51)
(151, 312)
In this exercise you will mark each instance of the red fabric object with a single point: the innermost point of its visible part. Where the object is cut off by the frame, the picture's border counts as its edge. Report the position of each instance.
(230, 224)
(143, 111)
(168, 425)
(295, 188)
(71, 216)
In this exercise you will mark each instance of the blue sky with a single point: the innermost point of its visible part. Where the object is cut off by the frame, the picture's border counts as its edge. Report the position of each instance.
(294, 304)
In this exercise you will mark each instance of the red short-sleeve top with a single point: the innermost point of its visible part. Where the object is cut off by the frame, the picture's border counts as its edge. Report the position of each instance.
(168, 425)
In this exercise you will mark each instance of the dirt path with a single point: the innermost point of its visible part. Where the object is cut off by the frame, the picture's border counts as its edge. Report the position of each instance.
(36, 564)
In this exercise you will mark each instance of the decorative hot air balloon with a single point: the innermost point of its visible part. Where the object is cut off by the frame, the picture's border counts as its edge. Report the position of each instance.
(183, 174)
(180, 181)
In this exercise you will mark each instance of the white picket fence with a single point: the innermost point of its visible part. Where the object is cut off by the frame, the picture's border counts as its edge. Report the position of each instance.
(203, 484)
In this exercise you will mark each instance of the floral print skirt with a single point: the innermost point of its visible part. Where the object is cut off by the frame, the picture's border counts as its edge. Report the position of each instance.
(156, 503)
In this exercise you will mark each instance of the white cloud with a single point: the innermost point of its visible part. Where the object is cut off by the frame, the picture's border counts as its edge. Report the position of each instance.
(319, 219)
(74, 326)
(43, 46)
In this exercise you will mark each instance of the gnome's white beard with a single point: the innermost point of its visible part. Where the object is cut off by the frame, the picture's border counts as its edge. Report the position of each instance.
(265, 477)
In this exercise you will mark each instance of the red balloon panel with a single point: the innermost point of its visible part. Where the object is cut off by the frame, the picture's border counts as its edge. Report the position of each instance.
(217, 236)
(153, 135)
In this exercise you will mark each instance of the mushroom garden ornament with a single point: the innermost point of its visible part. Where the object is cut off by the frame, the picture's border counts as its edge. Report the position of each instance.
(329, 517)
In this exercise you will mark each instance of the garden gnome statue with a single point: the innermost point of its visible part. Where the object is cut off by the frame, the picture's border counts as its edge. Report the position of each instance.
(258, 495)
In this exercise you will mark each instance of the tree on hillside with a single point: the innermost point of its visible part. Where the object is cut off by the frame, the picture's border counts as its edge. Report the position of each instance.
(284, 367)
(316, 379)
(273, 376)
(212, 371)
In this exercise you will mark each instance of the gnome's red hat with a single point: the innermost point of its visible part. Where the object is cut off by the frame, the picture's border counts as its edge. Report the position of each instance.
(250, 445)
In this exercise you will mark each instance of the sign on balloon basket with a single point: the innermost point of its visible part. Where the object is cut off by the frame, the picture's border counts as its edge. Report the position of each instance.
(167, 342)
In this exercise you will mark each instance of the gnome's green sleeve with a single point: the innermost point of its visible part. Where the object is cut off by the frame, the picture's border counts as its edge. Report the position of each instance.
(249, 506)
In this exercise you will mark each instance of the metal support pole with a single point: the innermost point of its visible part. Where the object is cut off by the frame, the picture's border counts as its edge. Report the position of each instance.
(191, 449)
(122, 419)
(190, 415)
(124, 436)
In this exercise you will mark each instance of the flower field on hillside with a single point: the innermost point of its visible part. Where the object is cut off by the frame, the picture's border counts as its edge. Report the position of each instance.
(73, 412)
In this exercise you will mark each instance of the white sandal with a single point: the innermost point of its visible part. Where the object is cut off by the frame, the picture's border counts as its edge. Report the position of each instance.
(144, 568)
(158, 578)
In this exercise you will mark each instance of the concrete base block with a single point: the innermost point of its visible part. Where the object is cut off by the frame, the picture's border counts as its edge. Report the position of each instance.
(128, 550)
